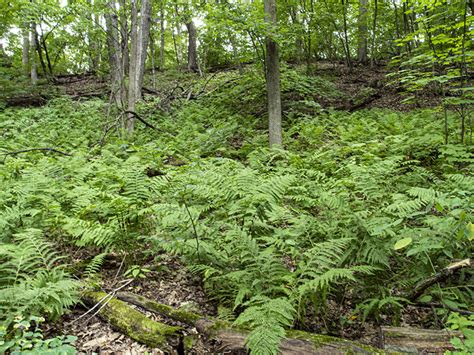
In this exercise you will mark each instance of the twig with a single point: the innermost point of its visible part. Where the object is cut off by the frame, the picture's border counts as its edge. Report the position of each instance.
(137, 116)
(36, 149)
(108, 296)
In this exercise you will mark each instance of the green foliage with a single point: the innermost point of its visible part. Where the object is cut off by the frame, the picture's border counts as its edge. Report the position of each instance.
(466, 326)
(26, 338)
(298, 227)
(31, 281)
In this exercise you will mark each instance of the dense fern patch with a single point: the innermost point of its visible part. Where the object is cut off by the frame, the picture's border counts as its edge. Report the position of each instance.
(274, 233)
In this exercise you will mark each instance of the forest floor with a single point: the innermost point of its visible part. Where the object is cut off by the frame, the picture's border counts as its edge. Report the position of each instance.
(171, 282)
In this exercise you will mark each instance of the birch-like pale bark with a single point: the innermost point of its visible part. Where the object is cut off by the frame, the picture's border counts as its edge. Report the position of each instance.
(139, 38)
(25, 50)
(273, 78)
(33, 45)
(115, 55)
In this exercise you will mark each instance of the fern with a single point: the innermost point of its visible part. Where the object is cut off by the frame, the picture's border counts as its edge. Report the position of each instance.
(31, 282)
(268, 319)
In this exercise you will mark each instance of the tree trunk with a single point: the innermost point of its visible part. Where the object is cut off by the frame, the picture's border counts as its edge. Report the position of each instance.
(273, 78)
(374, 36)
(25, 50)
(192, 47)
(346, 36)
(93, 47)
(34, 65)
(124, 36)
(362, 24)
(115, 56)
(139, 37)
(162, 35)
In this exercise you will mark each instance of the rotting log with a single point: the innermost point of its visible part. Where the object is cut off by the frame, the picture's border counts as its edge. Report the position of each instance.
(232, 340)
(134, 323)
(297, 342)
(417, 341)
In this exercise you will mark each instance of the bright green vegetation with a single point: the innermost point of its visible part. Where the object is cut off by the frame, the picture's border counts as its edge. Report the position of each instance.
(357, 206)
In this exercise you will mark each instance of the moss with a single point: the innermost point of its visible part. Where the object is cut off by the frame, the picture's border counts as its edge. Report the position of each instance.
(177, 314)
(319, 341)
(133, 323)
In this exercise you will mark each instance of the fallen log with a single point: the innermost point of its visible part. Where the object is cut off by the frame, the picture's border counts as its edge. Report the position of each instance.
(232, 340)
(134, 323)
(418, 341)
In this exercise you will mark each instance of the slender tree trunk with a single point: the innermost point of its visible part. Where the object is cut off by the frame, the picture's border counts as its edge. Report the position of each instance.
(25, 50)
(124, 36)
(177, 38)
(362, 24)
(192, 47)
(162, 35)
(152, 56)
(46, 54)
(38, 49)
(115, 55)
(374, 34)
(92, 44)
(397, 26)
(34, 65)
(346, 36)
(139, 37)
(273, 78)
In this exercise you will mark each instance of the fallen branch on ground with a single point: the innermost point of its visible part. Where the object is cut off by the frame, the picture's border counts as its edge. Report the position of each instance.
(46, 149)
(420, 288)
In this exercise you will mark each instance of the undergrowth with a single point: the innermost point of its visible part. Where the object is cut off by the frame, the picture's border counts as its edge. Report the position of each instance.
(275, 234)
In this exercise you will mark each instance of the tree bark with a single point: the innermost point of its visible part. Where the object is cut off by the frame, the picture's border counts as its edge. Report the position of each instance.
(115, 55)
(192, 46)
(362, 24)
(374, 34)
(415, 341)
(162, 35)
(34, 64)
(124, 36)
(25, 50)
(133, 323)
(346, 36)
(232, 340)
(273, 77)
(139, 38)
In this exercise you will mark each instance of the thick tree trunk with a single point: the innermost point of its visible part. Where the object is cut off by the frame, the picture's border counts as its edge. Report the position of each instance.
(273, 78)
(362, 24)
(192, 47)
